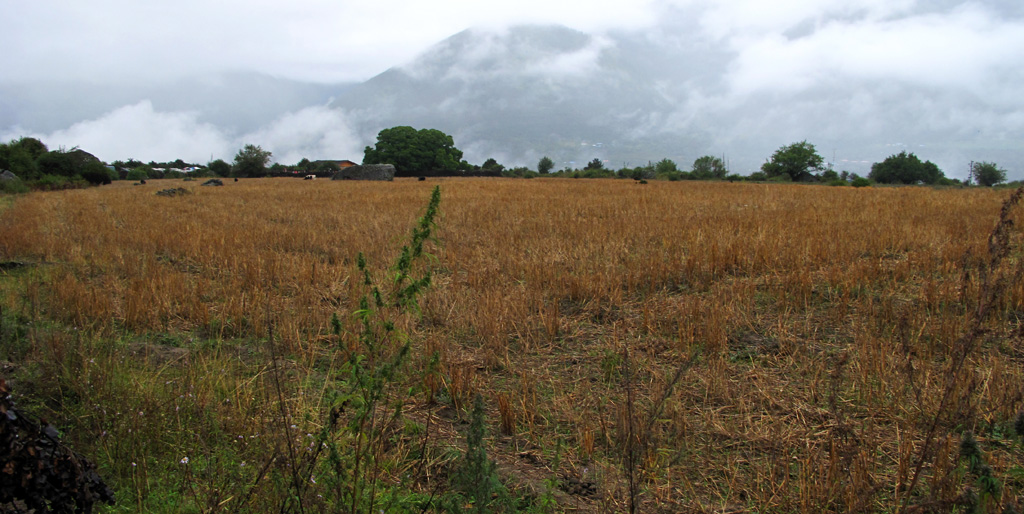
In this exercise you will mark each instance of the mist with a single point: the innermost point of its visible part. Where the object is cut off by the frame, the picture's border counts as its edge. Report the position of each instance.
(675, 79)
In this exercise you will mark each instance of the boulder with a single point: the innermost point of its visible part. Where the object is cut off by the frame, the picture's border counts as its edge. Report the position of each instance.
(177, 191)
(366, 172)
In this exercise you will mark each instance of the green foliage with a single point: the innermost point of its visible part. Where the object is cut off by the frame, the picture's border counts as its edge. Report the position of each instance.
(14, 186)
(326, 168)
(58, 163)
(988, 486)
(708, 167)
(987, 174)
(829, 176)
(20, 158)
(545, 165)
(137, 174)
(860, 182)
(57, 182)
(366, 388)
(219, 168)
(594, 173)
(34, 147)
(519, 172)
(798, 161)
(595, 164)
(492, 165)
(905, 168)
(758, 176)
(664, 167)
(476, 478)
(96, 173)
(414, 152)
(251, 161)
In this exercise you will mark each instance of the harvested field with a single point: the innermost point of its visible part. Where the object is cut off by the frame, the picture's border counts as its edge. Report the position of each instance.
(668, 347)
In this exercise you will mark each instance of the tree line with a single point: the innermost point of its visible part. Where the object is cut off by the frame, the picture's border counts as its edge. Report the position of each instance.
(431, 152)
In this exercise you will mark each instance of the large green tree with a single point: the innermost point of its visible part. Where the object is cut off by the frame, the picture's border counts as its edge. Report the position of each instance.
(21, 157)
(414, 152)
(799, 161)
(66, 163)
(492, 164)
(904, 168)
(708, 167)
(987, 173)
(544, 165)
(251, 161)
(219, 167)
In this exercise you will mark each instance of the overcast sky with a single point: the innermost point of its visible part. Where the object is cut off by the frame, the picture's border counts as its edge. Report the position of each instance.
(316, 40)
(964, 47)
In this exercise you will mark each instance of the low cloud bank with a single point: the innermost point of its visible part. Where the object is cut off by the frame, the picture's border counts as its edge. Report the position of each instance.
(139, 131)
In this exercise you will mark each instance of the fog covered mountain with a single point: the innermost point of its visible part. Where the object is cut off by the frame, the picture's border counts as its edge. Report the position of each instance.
(940, 79)
(628, 98)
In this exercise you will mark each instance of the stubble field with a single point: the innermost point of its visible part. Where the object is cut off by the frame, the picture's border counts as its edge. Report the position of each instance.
(668, 347)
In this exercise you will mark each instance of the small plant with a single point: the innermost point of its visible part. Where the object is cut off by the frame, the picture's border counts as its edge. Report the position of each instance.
(988, 486)
(366, 402)
(475, 477)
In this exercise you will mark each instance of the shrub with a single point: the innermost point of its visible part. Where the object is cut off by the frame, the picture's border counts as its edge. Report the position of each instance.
(54, 182)
(861, 182)
(905, 168)
(136, 174)
(96, 173)
(14, 186)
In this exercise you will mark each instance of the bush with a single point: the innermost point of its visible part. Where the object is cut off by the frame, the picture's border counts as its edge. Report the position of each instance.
(137, 174)
(54, 183)
(96, 173)
(597, 173)
(904, 168)
(14, 186)
(987, 173)
(861, 182)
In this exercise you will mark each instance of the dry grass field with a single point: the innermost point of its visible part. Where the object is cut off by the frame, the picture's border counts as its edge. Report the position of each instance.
(669, 347)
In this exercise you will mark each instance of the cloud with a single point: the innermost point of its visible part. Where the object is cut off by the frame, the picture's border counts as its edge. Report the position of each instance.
(314, 133)
(317, 40)
(140, 132)
(964, 48)
(575, 63)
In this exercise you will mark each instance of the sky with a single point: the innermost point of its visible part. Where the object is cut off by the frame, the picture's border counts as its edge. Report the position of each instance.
(966, 49)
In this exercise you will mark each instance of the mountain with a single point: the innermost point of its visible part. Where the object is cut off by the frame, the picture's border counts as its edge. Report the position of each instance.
(527, 92)
(630, 97)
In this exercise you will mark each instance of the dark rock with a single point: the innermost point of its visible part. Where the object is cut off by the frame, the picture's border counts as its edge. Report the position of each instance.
(366, 172)
(177, 191)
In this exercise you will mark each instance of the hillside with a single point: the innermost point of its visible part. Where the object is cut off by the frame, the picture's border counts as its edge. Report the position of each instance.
(631, 97)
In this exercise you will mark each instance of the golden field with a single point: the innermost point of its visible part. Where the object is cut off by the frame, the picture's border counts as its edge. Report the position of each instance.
(721, 347)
